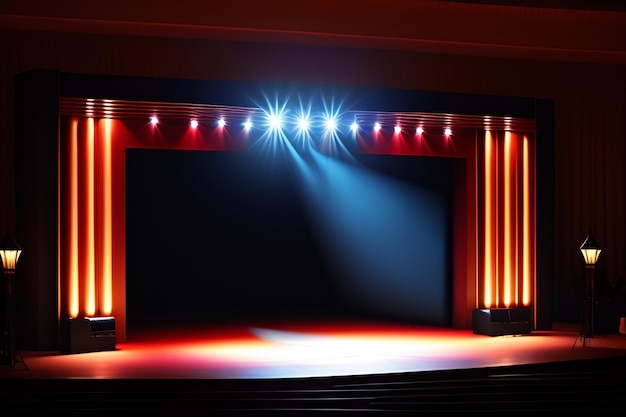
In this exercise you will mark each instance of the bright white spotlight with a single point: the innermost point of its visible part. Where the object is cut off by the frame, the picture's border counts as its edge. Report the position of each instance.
(194, 124)
(354, 127)
(275, 122)
(154, 120)
(419, 130)
(330, 124)
(304, 124)
(274, 116)
(247, 125)
(331, 117)
(377, 127)
(448, 131)
(397, 129)
(221, 122)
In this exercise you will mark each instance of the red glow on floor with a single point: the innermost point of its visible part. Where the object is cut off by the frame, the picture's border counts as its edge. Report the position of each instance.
(275, 350)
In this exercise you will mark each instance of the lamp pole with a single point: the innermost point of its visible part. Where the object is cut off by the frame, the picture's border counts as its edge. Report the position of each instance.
(590, 251)
(10, 253)
(589, 299)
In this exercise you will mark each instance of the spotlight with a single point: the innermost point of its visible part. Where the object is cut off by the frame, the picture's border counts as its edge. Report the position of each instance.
(330, 124)
(303, 124)
(275, 122)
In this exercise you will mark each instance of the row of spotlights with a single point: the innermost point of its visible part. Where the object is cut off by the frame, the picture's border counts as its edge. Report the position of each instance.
(275, 123)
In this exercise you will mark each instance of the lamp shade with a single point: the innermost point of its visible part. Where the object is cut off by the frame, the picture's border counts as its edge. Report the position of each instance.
(10, 253)
(590, 250)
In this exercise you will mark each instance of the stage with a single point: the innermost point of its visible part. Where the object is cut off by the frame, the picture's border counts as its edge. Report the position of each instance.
(306, 349)
(329, 367)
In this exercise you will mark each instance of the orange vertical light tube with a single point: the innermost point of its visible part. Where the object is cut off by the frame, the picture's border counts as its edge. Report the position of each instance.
(90, 260)
(526, 262)
(73, 274)
(488, 255)
(507, 222)
(106, 285)
(515, 219)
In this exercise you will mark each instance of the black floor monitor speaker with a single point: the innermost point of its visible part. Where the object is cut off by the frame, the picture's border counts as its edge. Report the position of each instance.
(87, 334)
(501, 321)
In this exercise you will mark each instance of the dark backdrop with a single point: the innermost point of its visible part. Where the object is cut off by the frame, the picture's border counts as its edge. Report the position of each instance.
(214, 236)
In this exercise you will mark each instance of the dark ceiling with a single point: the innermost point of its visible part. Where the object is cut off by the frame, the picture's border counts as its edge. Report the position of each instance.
(607, 5)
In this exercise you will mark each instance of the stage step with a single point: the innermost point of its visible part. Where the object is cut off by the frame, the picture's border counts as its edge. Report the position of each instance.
(596, 385)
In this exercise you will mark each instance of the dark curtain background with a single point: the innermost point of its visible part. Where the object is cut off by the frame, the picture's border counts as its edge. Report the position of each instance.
(219, 236)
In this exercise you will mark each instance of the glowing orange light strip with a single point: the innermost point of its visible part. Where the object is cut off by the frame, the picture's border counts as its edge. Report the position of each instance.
(90, 255)
(488, 279)
(515, 243)
(507, 220)
(73, 221)
(106, 299)
(526, 295)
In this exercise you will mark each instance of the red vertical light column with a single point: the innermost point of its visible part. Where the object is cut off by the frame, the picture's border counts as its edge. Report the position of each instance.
(488, 284)
(528, 222)
(103, 235)
(87, 202)
(526, 225)
(77, 210)
(509, 222)
(507, 278)
(72, 256)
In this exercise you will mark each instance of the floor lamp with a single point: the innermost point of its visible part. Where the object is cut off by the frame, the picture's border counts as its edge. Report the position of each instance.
(10, 253)
(590, 251)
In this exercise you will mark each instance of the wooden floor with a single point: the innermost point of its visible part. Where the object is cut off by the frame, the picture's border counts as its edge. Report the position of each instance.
(326, 368)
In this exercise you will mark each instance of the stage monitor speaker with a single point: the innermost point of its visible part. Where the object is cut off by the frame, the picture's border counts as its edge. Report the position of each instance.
(501, 321)
(88, 334)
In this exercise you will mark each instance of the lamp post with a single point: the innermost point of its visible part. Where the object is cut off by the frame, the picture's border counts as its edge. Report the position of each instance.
(10, 253)
(590, 251)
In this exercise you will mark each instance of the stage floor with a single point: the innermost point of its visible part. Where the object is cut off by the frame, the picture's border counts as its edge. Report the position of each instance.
(312, 349)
